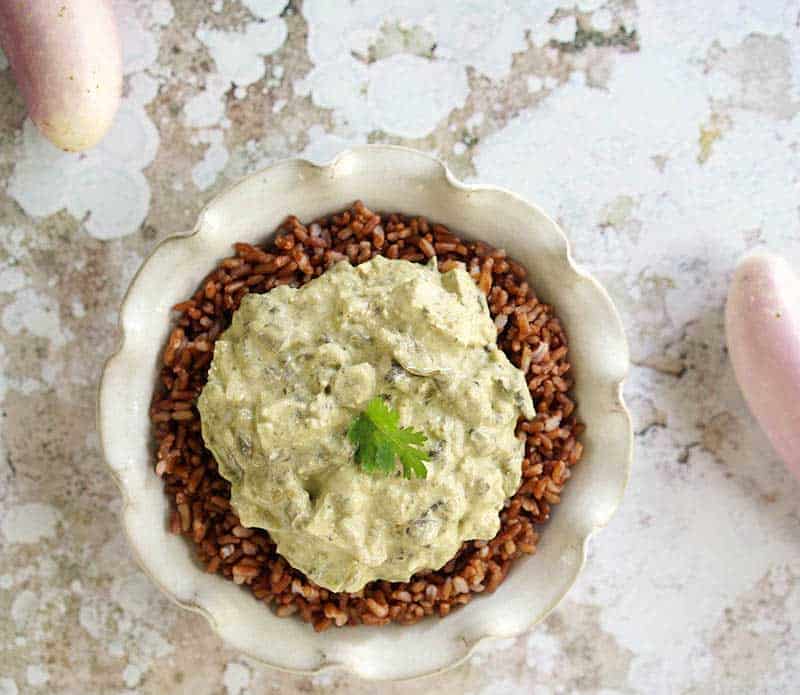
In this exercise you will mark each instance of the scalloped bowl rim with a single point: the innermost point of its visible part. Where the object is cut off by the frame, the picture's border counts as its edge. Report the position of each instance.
(433, 172)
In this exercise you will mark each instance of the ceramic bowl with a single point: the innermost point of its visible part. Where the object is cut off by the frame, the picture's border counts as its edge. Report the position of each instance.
(385, 178)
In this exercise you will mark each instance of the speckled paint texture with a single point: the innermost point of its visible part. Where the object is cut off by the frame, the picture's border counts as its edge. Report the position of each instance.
(664, 137)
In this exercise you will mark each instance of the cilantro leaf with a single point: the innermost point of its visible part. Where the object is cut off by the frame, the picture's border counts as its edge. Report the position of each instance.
(380, 441)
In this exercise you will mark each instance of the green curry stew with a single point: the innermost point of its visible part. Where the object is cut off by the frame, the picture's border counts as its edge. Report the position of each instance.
(297, 366)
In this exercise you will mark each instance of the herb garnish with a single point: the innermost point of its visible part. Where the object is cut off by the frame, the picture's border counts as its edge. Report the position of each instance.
(379, 441)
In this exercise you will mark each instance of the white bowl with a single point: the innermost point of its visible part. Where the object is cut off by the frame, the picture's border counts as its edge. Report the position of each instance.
(392, 179)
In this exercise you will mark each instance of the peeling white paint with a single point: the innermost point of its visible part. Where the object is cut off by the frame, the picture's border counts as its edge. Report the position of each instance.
(124, 613)
(161, 12)
(543, 653)
(403, 95)
(205, 172)
(499, 686)
(602, 20)
(37, 675)
(534, 83)
(410, 95)
(590, 5)
(23, 609)
(265, 8)
(475, 120)
(139, 49)
(12, 278)
(236, 678)
(239, 61)
(131, 675)
(207, 108)
(122, 633)
(37, 314)
(564, 29)
(465, 33)
(485, 649)
(135, 594)
(323, 681)
(30, 523)
(323, 147)
(78, 309)
(238, 56)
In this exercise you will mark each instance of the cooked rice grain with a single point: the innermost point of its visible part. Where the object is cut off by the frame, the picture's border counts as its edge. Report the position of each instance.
(528, 332)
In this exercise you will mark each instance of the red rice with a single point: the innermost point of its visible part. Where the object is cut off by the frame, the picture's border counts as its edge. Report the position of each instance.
(533, 340)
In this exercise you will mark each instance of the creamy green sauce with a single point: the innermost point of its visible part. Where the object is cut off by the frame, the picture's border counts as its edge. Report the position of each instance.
(297, 365)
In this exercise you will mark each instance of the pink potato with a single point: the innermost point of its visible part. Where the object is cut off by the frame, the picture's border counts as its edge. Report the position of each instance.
(67, 61)
(762, 321)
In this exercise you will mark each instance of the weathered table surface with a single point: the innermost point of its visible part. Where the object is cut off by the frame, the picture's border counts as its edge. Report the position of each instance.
(665, 138)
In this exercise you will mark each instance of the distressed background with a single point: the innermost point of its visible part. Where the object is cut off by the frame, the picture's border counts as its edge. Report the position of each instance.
(664, 137)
